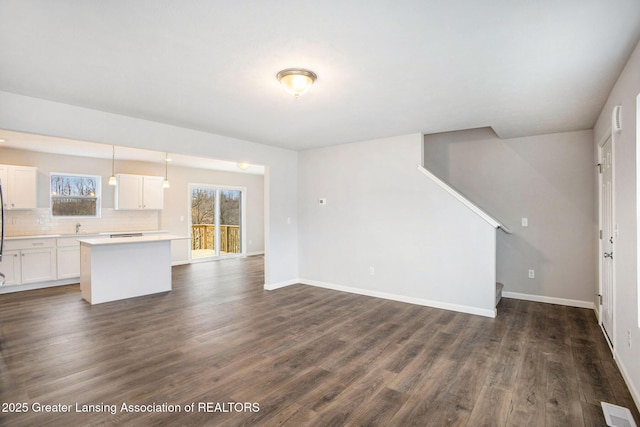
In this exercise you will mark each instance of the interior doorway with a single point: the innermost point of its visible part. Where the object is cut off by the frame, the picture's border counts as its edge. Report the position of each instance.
(217, 221)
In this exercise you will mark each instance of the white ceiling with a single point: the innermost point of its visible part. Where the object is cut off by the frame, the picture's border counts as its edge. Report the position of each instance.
(384, 67)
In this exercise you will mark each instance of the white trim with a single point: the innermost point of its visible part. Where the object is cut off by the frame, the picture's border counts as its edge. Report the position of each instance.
(243, 218)
(637, 284)
(254, 253)
(466, 202)
(284, 284)
(8, 289)
(635, 394)
(550, 300)
(402, 298)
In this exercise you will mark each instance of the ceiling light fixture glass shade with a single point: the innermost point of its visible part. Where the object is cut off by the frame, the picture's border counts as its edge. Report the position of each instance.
(296, 81)
(243, 165)
(165, 183)
(112, 178)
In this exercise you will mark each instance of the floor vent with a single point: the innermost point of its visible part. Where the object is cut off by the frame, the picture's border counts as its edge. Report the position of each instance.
(617, 416)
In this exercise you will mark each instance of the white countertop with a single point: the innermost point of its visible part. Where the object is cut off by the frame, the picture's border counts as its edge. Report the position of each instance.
(101, 241)
(82, 235)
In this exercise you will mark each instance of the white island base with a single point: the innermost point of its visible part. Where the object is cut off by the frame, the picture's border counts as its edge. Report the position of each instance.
(118, 268)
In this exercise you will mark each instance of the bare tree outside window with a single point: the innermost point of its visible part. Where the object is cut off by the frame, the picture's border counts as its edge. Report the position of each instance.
(75, 195)
(204, 223)
(203, 206)
(230, 207)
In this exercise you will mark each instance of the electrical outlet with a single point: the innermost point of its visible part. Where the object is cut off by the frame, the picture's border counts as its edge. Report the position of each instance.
(532, 274)
(322, 201)
(372, 271)
(525, 222)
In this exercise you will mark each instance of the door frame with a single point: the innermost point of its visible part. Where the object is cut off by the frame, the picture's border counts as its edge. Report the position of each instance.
(243, 219)
(601, 143)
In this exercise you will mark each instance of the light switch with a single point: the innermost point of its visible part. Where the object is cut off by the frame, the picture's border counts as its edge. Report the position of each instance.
(525, 222)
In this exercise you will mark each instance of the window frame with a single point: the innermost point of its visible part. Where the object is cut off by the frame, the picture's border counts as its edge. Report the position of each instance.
(98, 195)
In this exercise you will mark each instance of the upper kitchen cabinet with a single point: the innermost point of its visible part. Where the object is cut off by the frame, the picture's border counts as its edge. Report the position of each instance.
(135, 192)
(20, 186)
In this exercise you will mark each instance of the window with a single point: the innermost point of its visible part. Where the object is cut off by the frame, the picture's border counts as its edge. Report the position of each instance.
(217, 221)
(75, 195)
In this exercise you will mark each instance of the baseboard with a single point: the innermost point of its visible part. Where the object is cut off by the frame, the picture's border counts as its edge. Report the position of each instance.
(627, 379)
(254, 253)
(550, 300)
(274, 286)
(402, 298)
(9, 289)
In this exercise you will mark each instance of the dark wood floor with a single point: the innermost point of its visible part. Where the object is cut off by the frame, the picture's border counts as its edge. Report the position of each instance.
(307, 356)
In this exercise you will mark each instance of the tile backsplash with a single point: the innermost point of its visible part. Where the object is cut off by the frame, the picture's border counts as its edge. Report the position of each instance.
(40, 222)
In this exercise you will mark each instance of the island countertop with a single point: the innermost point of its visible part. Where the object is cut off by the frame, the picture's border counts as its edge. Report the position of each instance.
(120, 240)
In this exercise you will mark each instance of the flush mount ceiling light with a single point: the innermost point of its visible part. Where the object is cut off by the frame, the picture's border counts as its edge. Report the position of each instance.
(296, 81)
(243, 165)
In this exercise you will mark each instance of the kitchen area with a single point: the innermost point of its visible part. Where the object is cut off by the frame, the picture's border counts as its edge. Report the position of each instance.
(106, 215)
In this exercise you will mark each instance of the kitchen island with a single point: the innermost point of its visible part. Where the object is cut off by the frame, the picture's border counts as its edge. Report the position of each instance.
(120, 267)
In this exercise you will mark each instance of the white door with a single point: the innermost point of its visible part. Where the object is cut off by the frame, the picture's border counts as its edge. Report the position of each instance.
(607, 241)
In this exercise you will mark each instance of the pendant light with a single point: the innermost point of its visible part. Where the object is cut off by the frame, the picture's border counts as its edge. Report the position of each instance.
(112, 178)
(165, 183)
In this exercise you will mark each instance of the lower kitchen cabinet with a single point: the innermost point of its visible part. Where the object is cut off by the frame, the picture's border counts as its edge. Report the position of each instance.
(38, 265)
(68, 261)
(29, 261)
(10, 267)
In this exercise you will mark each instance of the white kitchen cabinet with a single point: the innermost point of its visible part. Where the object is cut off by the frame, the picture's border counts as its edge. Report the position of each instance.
(19, 184)
(68, 258)
(38, 265)
(10, 267)
(135, 192)
(34, 260)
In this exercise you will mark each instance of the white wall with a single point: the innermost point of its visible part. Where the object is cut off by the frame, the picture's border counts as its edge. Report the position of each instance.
(547, 179)
(624, 93)
(26, 114)
(381, 212)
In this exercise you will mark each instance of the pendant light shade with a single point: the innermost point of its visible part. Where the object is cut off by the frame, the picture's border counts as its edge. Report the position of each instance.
(296, 81)
(112, 178)
(165, 183)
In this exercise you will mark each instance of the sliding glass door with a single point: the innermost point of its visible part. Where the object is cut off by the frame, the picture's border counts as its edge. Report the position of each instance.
(217, 216)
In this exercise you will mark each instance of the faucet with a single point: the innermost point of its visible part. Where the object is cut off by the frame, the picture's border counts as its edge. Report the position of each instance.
(78, 227)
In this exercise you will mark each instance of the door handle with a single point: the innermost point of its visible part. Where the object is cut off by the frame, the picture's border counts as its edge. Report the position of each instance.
(608, 255)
